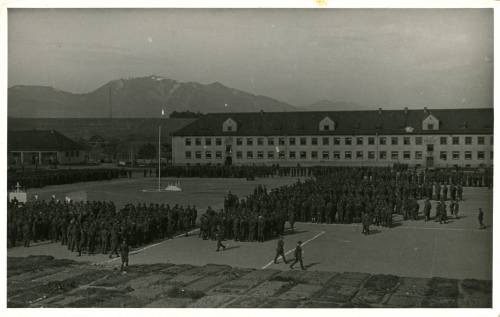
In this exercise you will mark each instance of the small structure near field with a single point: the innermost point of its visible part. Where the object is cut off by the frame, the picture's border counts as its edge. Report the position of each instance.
(18, 194)
(43, 147)
(174, 187)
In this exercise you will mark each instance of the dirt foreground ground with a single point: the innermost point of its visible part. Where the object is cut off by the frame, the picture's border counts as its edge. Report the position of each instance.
(42, 281)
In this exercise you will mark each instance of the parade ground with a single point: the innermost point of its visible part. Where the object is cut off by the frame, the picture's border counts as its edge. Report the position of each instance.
(458, 249)
(200, 192)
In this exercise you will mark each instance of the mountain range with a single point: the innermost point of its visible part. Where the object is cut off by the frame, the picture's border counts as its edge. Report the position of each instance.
(135, 97)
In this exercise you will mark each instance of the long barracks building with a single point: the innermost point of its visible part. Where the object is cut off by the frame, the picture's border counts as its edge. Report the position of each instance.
(433, 138)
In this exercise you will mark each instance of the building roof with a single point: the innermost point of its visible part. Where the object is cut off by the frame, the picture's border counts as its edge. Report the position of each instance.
(40, 140)
(452, 121)
(96, 139)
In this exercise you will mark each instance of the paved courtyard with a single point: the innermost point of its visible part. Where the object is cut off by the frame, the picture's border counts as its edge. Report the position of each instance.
(201, 192)
(458, 249)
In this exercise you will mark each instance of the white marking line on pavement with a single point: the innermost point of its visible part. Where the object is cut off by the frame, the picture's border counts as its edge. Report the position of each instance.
(291, 250)
(149, 246)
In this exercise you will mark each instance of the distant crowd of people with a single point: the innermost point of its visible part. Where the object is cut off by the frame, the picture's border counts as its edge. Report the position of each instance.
(45, 177)
(250, 219)
(345, 195)
(95, 226)
(219, 171)
(367, 195)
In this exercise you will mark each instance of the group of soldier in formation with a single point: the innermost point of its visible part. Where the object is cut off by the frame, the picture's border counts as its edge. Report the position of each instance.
(367, 196)
(44, 177)
(95, 226)
(333, 195)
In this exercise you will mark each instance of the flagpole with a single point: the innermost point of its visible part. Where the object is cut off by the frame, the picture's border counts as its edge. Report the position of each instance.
(159, 156)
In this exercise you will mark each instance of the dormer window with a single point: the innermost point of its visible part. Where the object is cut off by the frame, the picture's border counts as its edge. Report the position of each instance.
(430, 123)
(229, 125)
(326, 124)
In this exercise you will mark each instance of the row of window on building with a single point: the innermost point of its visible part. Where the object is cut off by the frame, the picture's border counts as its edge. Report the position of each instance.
(360, 140)
(72, 153)
(337, 155)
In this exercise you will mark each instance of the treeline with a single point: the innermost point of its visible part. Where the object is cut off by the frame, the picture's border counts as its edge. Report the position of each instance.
(185, 114)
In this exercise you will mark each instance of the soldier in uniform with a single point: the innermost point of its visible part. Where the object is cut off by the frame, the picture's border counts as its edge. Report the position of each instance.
(442, 212)
(427, 209)
(298, 256)
(91, 235)
(330, 212)
(187, 220)
(365, 218)
(280, 250)
(260, 229)
(194, 215)
(203, 227)
(438, 211)
(104, 239)
(291, 218)
(340, 210)
(124, 250)
(415, 208)
(27, 233)
(480, 218)
(236, 228)
(75, 237)
(456, 207)
(115, 238)
(244, 228)
(453, 192)
(83, 239)
(219, 241)
(252, 226)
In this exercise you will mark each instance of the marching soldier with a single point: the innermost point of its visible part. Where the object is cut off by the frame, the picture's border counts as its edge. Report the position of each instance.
(280, 250)
(124, 250)
(219, 241)
(480, 218)
(298, 256)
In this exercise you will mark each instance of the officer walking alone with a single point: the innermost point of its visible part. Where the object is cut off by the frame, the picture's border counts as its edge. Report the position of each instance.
(219, 241)
(280, 250)
(298, 256)
(124, 255)
(480, 218)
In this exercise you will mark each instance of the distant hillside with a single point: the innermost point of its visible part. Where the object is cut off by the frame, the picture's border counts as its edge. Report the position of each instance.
(138, 129)
(136, 97)
(327, 105)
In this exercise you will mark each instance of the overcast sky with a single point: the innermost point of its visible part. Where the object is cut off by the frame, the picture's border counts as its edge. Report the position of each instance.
(390, 58)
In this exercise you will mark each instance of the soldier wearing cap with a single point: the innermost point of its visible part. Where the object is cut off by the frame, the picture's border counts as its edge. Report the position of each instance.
(298, 256)
(280, 250)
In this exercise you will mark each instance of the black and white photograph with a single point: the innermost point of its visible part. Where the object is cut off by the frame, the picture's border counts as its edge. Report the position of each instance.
(249, 158)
